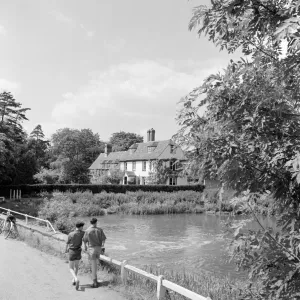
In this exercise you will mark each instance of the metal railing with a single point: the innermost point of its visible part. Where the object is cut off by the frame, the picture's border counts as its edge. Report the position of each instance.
(48, 223)
(162, 284)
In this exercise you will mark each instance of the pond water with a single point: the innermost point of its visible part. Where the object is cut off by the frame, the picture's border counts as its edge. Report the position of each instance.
(190, 242)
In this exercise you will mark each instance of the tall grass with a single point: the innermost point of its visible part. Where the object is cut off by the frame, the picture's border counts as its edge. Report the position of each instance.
(205, 284)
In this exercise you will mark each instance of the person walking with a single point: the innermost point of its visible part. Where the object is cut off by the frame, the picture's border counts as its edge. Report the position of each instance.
(73, 246)
(94, 239)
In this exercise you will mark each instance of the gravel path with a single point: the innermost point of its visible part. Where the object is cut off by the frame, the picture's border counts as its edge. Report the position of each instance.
(28, 274)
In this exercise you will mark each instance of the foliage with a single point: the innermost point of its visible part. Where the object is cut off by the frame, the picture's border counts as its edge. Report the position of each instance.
(248, 136)
(61, 207)
(40, 146)
(206, 284)
(16, 161)
(114, 175)
(76, 144)
(76, 172)
(252, 25)
(65, 225)
(48, 176)
(71, 154)
(121, 141)
(81, 204)
(160, 173)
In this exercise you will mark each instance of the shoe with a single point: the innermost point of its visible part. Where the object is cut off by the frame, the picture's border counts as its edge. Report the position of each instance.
(95, 284)
(77, 285)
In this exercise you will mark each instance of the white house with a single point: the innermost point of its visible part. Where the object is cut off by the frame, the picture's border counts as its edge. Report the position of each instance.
(137, 162)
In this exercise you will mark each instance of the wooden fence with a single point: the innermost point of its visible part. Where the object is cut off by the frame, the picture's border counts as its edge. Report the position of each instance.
(162, 284)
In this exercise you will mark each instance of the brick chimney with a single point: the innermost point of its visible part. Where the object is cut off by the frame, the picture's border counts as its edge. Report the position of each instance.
(148, 136)
(152, 135)
(108, 149)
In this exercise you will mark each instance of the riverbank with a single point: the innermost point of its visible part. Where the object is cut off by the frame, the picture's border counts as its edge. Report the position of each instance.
(62, 208)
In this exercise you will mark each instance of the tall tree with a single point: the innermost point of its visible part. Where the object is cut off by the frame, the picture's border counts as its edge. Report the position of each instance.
(72, 152)
(12, 136)
(40, 145)
(121, 141)
(249, 136)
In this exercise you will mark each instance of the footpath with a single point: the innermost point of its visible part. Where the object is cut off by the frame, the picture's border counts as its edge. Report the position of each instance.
(27, 273)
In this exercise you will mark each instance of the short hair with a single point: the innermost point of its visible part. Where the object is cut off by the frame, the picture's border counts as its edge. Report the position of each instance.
(93, 221)
(79, 224)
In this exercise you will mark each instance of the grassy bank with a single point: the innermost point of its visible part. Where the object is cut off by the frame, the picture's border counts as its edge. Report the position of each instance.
(205, 284)
(61, 208)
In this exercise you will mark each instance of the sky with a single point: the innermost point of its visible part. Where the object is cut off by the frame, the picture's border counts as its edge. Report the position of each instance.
(109, 65)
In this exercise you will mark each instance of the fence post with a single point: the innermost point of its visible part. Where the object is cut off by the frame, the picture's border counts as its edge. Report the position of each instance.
(26, 217)
(161, 290)
(123, 271)
(20, 194)
(14, 194)
(10, 194)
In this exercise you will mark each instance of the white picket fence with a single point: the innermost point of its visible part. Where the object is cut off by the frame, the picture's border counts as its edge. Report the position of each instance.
(162, 284)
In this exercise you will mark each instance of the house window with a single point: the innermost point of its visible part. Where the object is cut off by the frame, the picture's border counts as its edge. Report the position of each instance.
(173, 165)
(144, 165)
(171, 148)
(126, 166)
(133, 166)
(173, 181)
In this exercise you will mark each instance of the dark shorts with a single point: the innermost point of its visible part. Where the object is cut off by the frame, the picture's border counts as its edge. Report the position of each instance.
(74, 254)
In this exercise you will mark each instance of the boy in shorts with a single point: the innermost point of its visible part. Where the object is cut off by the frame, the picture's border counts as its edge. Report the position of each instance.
(73, 246)
(94, 237)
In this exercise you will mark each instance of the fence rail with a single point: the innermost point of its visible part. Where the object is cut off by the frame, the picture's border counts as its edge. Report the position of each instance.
(48, 223)
(162, 284)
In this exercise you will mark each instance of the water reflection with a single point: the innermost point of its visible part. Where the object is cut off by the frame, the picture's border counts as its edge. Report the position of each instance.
(191, 242)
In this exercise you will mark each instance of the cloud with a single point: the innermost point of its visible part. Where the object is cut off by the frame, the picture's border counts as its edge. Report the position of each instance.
(89, 33)
(60, 17)
(48, 127)
(115, 46)
(138, 90)
(8, 85)
(2, 30)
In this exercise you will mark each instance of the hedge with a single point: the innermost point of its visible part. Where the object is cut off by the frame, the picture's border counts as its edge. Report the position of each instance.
(34, 189)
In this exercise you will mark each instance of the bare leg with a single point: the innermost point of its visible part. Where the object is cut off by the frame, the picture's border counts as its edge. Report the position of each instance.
(16, 229)
(94, 268)
(76, 267)
(72, 269)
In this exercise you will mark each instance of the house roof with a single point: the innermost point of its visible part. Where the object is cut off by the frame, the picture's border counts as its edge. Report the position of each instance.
(141, 153)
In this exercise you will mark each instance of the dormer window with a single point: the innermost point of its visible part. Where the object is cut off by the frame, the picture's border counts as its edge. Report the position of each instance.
(172, 148)
(131, 151)
(151, 149)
